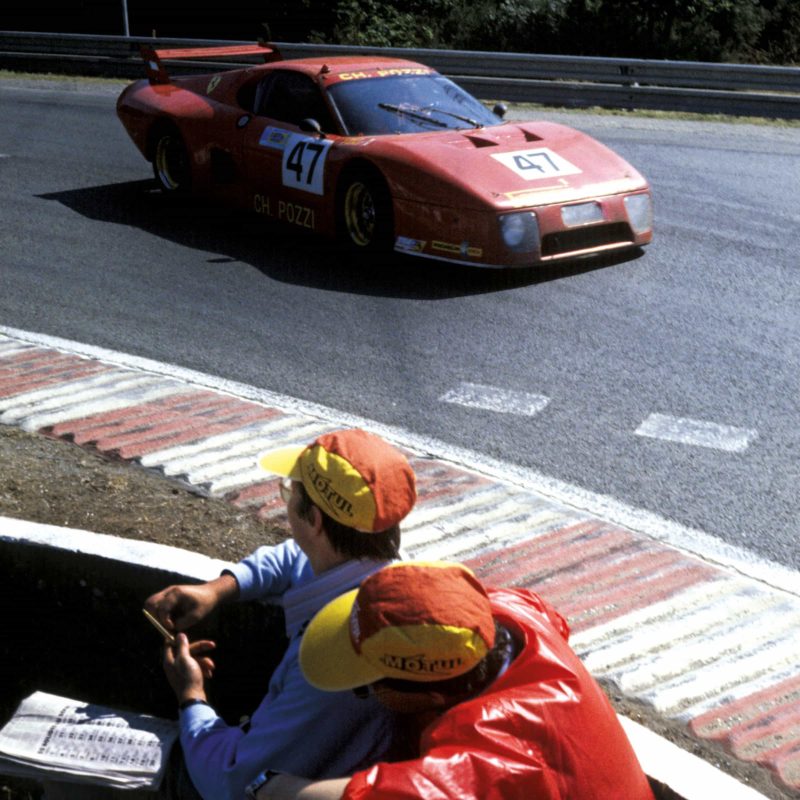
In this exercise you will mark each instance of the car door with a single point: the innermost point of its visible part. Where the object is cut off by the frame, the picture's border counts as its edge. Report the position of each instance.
(285, 167)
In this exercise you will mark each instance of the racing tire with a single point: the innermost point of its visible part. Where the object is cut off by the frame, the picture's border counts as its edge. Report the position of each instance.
(171, 166)
(364, 210)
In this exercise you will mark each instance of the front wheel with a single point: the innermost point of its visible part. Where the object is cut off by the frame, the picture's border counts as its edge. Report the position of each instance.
(171, 163)
(364, 209)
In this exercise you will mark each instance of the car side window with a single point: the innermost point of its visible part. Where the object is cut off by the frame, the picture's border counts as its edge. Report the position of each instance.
(292, 97)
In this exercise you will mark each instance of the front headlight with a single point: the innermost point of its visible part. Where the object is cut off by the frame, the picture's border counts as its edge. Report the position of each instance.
(520, 231)
(640, 212)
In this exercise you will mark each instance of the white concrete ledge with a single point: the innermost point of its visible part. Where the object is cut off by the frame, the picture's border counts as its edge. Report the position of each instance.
(148, 555)
(688, 776)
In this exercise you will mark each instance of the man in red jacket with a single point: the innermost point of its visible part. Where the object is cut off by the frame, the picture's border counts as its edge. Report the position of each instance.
(507, 707)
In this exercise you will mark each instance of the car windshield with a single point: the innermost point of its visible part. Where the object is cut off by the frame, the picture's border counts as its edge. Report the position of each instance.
(407, 104)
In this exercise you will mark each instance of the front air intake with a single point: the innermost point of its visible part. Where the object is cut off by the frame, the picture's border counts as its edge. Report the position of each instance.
(590, 237)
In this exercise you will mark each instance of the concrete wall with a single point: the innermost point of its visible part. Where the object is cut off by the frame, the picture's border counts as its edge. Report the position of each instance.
(72, 604)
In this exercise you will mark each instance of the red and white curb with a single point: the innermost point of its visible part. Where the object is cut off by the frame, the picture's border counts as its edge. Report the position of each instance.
(712, 644)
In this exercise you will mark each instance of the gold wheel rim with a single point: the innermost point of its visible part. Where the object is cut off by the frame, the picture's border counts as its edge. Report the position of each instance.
(359, 214)
(163, 162)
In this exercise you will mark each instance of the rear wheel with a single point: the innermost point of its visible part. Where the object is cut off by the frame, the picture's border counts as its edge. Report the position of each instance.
(366, 222)
(171, 163)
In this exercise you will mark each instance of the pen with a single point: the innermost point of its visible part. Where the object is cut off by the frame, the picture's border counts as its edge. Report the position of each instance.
(168, 637)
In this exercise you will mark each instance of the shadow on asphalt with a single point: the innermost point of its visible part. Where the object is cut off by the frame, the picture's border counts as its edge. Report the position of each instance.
(290, 256)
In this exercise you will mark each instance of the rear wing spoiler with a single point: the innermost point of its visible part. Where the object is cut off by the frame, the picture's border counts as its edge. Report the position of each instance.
(157, 73)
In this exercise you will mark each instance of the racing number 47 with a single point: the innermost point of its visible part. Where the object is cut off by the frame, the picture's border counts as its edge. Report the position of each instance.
(303, 164)
(297, 162)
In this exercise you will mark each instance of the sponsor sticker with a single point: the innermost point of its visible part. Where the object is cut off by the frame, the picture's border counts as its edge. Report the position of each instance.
(407, 245)
(447, 247)
(213, 83)
(537, 164)
(275, 138)
(464, 249)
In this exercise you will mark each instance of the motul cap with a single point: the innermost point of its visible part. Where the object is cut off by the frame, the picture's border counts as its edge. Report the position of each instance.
(417, 621)
(354, 476)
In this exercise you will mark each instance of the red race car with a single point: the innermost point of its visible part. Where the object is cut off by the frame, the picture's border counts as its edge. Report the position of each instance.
(384, 154)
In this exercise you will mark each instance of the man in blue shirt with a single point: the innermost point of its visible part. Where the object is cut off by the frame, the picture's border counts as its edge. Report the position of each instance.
(346, 494)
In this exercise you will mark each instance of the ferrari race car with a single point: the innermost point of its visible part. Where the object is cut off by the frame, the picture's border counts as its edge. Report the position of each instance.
(384, 154)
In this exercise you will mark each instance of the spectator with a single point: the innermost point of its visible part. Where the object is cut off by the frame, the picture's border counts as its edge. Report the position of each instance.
(509, 710)
(346, 494)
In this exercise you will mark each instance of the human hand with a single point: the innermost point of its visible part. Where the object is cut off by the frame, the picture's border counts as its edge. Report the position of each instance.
(291, 787)
(188, 666)
(180, 607)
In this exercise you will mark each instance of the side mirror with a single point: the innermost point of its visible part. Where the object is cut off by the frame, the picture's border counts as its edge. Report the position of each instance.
(310, 125)
(500, 110)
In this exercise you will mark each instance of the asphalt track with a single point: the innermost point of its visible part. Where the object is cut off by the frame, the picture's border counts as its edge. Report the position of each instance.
(705, 643)
(626, 364)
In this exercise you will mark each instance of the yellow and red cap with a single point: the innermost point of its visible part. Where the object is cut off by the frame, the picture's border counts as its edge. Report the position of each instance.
(354, 476)
(417, 621)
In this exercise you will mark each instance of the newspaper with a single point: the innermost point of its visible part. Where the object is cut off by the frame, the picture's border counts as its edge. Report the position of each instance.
(56, 738)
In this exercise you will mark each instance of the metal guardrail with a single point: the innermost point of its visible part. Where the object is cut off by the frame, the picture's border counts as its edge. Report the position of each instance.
(570, 81)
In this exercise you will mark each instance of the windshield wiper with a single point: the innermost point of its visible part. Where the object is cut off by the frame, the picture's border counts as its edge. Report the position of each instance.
(473, 122)
(412, 111)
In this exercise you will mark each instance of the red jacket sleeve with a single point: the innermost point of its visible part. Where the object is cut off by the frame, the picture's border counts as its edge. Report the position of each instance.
(463, 775)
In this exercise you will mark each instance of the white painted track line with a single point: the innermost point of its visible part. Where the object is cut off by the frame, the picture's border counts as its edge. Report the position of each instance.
(491, 398)
(696, 432)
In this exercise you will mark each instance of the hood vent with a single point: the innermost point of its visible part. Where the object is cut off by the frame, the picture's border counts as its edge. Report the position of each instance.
(481, 141)
(529, 135)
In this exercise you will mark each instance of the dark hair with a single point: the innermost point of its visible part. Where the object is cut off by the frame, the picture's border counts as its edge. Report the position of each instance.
(462, 687)
(384, 545)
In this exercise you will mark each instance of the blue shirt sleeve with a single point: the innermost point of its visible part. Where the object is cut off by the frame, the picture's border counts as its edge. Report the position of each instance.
(296, 729)
(270, 571)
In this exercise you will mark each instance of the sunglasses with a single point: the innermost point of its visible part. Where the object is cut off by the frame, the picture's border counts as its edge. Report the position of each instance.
(285, 488)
